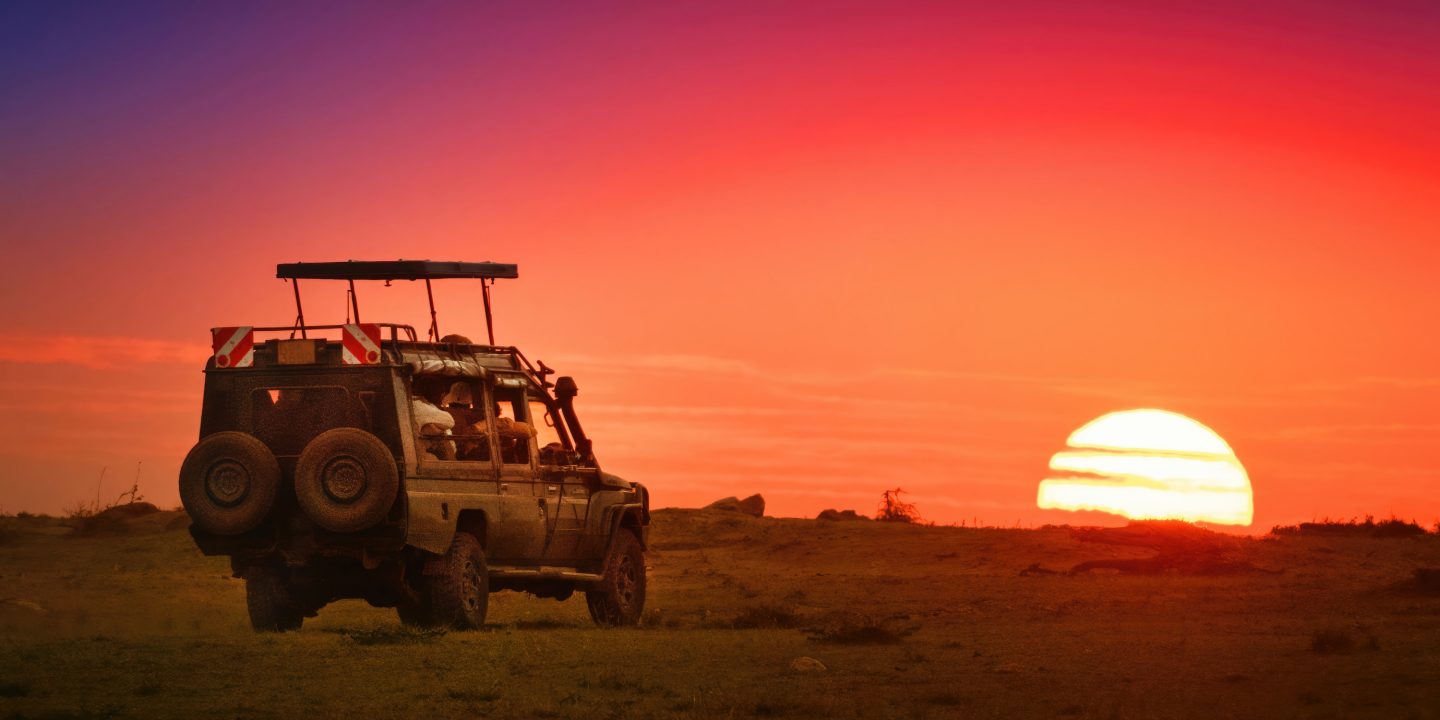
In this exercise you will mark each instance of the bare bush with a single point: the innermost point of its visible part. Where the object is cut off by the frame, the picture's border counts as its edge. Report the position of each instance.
(86, 509)
(893, 509)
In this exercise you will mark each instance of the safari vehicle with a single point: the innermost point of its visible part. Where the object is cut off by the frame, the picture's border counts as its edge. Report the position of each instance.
(357, 461)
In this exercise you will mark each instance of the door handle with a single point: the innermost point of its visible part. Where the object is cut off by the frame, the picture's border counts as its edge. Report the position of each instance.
(552, 489)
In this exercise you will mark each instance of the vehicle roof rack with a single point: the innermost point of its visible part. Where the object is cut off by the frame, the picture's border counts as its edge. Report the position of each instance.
(351, 270)
(396, 270)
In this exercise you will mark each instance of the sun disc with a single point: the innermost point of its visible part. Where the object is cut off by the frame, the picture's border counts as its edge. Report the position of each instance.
(1149, 464)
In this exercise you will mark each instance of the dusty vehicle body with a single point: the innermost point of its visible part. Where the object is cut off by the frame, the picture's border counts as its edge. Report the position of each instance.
(324, 472)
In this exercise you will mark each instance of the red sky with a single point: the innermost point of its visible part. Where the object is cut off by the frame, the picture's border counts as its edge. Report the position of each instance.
(812, 253)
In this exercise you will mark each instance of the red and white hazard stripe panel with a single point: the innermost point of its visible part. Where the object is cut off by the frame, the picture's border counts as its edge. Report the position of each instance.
(234, 346)
(360, 344)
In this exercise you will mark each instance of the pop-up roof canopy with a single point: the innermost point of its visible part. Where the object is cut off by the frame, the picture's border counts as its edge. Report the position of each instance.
(388, 270)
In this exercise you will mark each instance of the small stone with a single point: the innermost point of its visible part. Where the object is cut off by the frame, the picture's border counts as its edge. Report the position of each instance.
(27, 604)
(807, 665)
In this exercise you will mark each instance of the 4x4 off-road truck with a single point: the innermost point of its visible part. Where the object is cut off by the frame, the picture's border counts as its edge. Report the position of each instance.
(357, 461)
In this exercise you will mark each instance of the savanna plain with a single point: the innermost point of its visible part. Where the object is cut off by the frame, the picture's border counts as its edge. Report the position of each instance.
(905, 621)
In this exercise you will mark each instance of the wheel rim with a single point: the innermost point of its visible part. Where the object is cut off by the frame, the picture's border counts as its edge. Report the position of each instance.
(625, 582)
(227, 483)
(343, 479)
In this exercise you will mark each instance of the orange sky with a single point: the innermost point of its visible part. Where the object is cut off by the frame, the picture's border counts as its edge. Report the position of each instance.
(809, 254)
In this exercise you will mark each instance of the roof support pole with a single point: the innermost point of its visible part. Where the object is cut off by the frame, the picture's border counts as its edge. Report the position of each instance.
(485, 284)
(299, 311)
(354, 302)
(434, 325)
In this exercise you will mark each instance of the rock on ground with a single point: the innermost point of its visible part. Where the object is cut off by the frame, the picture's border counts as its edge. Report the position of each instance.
(753, 505)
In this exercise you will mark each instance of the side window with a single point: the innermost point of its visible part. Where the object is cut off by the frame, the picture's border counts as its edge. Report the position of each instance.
(450, 419)
(513, 429)
(544, 422)
(546, 436)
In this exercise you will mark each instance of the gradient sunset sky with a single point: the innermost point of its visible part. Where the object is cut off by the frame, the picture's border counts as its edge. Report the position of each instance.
(807, 250)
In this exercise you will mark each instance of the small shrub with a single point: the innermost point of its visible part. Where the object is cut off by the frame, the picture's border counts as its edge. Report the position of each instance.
(857, 629)
(765, 617)
(657, 618)
(1329, 641)
(78, 511)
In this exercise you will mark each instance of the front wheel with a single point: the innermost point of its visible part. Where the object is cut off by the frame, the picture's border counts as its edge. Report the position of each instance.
(620, 597)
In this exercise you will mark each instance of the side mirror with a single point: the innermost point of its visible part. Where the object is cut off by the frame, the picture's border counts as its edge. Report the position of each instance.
(565, 388)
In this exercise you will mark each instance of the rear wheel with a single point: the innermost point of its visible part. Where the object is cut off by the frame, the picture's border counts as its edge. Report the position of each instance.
(414, 613)
(346, 480)
(272, 605)
(620, 597)
(459, 585)
(228, 482)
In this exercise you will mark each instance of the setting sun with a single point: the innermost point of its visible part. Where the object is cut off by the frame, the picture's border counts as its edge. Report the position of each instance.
(1149, 464)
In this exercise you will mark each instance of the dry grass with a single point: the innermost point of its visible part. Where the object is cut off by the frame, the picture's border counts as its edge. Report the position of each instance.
(911, 621)
(391, 635)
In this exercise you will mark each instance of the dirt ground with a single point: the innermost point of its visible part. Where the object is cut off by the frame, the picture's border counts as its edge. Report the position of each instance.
(908, 622)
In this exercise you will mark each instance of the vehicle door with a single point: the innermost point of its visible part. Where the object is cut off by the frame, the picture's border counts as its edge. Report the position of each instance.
(456, 460)
(564, 482)
(527, 507)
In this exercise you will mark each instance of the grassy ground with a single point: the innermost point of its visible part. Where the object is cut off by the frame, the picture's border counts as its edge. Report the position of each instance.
(910, 622)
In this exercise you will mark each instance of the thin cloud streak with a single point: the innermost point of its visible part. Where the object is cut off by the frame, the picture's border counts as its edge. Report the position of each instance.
(96, 352)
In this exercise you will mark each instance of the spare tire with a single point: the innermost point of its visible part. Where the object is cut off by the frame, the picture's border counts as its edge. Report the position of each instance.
(228, 482)
(346, 480)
